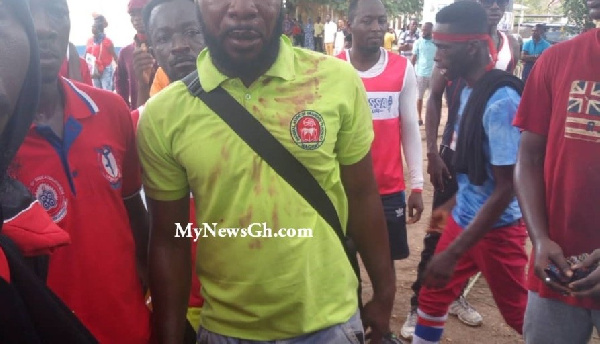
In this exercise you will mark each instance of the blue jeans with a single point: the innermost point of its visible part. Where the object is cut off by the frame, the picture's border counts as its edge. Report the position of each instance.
(350, 332)
(105, 82)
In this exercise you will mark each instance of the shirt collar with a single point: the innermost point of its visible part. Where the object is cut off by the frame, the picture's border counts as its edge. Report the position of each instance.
(78, 103)
(284, 67)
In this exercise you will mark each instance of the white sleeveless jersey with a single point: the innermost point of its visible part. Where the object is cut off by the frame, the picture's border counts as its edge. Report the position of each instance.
(505, 56)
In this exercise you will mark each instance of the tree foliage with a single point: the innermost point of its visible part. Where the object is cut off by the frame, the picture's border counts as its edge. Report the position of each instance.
(394, 7)
(577, 12)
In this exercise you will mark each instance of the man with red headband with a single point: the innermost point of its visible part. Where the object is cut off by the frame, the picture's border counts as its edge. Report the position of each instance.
(126, 82)
(484, 231)
(439, 158)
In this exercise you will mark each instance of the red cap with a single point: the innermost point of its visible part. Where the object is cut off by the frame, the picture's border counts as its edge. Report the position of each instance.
(136, 5)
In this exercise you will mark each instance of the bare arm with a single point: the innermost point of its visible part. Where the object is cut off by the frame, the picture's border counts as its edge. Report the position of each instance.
(436, 168)
(138, 220)
(113, 53)
(170, 268)
(515, 47)
(529, 182)
(525, 57)
(367, 228)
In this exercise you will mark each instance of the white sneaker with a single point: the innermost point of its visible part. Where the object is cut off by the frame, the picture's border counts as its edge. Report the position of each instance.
(408, 329)
(465, 312)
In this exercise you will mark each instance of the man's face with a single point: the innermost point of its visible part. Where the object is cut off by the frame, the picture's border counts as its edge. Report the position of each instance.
(241, 33)
(328, 18)
(14, 61)
(495, 10)
(177, 37)
(137, 20)
(368, 26)
(536, 34)
(413, 26)
(52, 26)
(426, 31)
(451, 57)
(594, 6)
(340, 24)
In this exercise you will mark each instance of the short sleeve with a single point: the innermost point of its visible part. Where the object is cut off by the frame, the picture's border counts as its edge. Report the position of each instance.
(416, 47)
(356, 132)
(527, 47)
(163, 177)
(503, 137)
(535, 110)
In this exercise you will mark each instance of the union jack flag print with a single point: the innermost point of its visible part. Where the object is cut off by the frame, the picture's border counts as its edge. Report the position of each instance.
(583, 111)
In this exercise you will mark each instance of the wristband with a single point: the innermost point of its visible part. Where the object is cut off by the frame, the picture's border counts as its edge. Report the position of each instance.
(417, 191)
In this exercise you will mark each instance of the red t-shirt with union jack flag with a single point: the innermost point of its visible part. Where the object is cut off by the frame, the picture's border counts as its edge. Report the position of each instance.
(562, 102)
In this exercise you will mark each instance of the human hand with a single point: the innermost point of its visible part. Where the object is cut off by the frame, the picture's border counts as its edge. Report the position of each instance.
(588, 286)
(143, 64)
(438, 220)
(437, 170)
(547, 251)
(376, 316)
(415, 207)
(440, 269)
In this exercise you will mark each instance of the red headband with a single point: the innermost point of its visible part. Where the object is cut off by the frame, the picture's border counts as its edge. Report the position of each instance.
(456, 37)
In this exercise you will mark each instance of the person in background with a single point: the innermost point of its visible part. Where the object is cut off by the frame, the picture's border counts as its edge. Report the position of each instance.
(423, 54)
(309, 34)
(556, 178)
(339, 39)
(319, 31)
(79, 159)
(533, 48)
(329, 35)
(175, 33)
(75, 67)
(288, 26)
(389, 39)
(297, 33)
(390, 83)
(125, 80)
(408, 38)
(100, 55)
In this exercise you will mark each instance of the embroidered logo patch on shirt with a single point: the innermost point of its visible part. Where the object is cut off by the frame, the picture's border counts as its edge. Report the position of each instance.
(51, 196)
(109, 166)
(583, 111)
(308, 130)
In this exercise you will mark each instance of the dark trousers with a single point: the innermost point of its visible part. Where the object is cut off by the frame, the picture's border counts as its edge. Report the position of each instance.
(319, 44)
(431, 239)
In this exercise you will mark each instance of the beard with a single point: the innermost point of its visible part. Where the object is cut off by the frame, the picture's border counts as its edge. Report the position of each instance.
(220, 58)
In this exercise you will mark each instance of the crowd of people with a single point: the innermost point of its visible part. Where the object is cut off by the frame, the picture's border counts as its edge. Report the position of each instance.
(228, 119)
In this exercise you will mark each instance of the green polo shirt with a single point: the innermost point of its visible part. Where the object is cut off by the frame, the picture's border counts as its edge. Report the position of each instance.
(263, 288)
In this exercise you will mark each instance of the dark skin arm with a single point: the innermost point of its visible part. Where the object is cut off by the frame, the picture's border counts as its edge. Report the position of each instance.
(367, 228)
(441, 268)
(525, 57)
(515, 47)
(436, 168)
(529, 183)
(413, 59)
(138, 220)
(113, 53)
(169, 261)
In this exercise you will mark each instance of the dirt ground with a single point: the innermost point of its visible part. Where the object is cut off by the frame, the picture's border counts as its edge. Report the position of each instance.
(493, 331)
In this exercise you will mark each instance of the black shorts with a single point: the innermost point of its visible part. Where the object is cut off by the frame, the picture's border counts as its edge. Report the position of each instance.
(394, 207)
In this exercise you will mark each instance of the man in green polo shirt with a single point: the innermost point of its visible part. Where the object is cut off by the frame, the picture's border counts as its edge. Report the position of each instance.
(260, 289)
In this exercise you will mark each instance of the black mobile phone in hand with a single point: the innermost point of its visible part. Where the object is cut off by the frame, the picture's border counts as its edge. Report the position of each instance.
(557, 276)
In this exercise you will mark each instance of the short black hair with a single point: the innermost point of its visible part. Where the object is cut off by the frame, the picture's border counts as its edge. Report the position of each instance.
(428, 24)
(352, 10)
(541, 27)
(467, 17)
(147, 11)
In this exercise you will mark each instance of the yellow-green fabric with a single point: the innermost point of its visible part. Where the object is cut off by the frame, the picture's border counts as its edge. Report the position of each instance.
(193, 316)
(263, 288)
